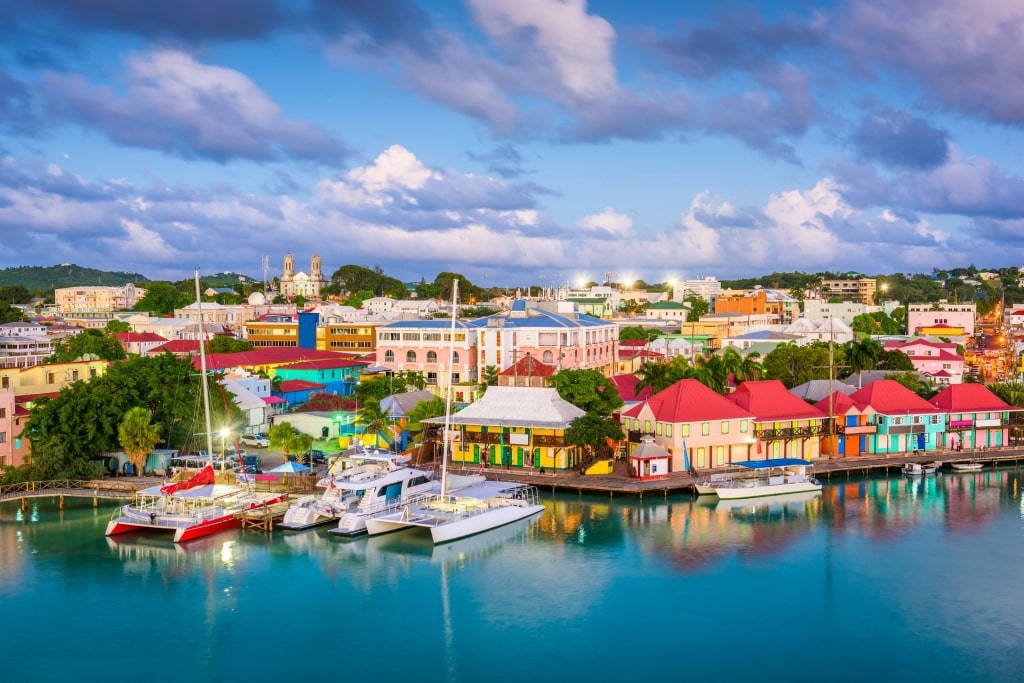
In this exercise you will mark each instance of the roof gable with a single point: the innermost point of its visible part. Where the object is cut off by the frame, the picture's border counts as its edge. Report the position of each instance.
(689, 401)
(770, 400)
(889, 397)
(968, 398)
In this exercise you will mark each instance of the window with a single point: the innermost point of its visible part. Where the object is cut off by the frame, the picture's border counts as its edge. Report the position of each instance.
(725, 427)
(431, 357)
(5, 382)
(455, 358)
(431, 378)
(389, 356)
(686, 430)
(743, 426)
(548, 358)
(668, 430)
(647, 426)
(3, 412)
(410, 357)
(456, 378)
(657, 428)
(705, 428)
(3, 437)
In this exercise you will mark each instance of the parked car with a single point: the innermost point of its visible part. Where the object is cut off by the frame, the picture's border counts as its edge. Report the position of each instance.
(252, 464)
(319, 457)
(256, 440)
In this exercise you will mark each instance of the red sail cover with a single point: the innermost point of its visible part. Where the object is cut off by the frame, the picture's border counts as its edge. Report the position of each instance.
(205, 476)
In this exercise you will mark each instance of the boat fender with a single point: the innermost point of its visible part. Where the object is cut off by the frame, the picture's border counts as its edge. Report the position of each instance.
(152, 518)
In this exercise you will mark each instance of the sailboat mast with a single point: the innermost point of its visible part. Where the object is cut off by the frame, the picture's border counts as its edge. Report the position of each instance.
(448, 392)
(202, 365)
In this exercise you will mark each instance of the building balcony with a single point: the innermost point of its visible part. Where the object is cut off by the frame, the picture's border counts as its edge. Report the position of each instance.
(803, 432)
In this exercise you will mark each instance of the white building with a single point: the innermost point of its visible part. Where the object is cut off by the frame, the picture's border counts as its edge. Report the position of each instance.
(707, 288)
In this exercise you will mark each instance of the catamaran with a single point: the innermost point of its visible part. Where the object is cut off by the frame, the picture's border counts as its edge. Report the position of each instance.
(357, 482)
(763, 478)
(199, 506)
(465, 511)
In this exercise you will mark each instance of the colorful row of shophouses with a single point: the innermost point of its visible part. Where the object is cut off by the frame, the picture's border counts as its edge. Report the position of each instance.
(695, 427)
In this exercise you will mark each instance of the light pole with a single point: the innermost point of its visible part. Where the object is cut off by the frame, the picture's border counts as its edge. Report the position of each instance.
(223, 447)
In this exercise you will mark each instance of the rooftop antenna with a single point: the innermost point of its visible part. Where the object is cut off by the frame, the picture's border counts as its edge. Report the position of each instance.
(266, 271)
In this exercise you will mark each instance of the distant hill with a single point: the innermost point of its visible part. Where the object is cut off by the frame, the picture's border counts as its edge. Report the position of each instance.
(42, 279)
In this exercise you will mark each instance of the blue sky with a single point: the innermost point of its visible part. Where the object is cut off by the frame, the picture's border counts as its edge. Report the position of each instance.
(513, 141)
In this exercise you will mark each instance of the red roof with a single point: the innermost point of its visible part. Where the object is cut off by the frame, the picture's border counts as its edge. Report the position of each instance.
(136, 337)
(632, 343)
(28, 398)
(969, 398)
(327, 364)
(770, 400)
(278, 355)
(918, 342)
(841, 404)
(21, 411)
(941, 355)
(177, 346)
(626, 384)
(529, 367)
(689, 401)
(889, 397)
(289, 385)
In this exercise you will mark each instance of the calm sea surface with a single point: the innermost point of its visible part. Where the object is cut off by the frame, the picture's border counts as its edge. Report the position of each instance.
(879, 579)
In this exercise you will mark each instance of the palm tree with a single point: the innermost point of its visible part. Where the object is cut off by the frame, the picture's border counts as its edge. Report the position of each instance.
(1011, 392)
(490, 375)
(374, 420)
(862, 355)
(711, 372)
(731, 361)
(422, 411)
(654, 375)
(750, 369)
(138, 436)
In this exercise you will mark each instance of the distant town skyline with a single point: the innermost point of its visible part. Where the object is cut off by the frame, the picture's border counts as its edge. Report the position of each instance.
(540, 141)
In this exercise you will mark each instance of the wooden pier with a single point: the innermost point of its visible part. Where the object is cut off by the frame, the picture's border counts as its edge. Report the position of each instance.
(263, 518)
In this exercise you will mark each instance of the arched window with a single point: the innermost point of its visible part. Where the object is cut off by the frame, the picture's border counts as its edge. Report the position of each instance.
(389, 356)
(548, 357)
(431, 356)
(410, 357)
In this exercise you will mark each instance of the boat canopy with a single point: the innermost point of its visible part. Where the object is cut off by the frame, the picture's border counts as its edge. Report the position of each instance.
(771, 464)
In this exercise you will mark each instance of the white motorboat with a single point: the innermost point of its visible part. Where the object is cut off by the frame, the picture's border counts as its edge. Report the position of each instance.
(916, 469)
(764, 478)
(967, 466)
(199, 506)
(467, 510)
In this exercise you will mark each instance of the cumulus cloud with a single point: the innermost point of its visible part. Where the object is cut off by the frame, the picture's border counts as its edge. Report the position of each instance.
(193, 110)
(609, 223)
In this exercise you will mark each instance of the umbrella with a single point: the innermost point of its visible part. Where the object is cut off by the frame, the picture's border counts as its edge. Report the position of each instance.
(289, 467)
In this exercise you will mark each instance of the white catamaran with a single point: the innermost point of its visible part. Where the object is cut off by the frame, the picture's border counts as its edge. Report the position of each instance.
(473, 509)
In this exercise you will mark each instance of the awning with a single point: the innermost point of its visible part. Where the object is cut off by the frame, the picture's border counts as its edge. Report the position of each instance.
(769, 464)
(273, 399)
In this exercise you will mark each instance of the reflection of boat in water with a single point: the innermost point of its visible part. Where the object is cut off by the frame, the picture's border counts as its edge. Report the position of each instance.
(478, 545)
(793, 501)
(764, 478)
(967, 466)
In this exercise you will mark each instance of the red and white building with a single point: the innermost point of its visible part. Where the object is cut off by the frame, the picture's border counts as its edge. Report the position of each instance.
(938, 361)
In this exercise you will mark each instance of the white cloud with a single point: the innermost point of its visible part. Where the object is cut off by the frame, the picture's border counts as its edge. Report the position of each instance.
(609, 222)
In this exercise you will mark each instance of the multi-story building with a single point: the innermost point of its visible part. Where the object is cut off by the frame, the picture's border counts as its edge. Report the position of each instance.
(272, 331)
(976, 418)
(97, 300)
(904, 421)
(861, 290)
(707, 288)
(823, 309)
(561, 337)
(921, 316)
(938, 361)
(668, 310)
(423, 346)
(785, 426)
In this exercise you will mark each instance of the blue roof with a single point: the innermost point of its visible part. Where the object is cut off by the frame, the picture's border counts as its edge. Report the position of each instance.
(431, 323)
(539, 317)
(770, 464)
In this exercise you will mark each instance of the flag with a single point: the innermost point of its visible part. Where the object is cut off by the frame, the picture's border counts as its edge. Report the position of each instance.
(686, 457)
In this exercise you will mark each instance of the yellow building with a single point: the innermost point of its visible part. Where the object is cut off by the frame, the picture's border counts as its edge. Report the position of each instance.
(53, 377)
(97, 299)
(514, 427)
(272, 332)
(358, 337)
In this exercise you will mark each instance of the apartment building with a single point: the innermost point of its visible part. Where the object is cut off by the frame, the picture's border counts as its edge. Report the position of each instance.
(97, 300)
(861, 290)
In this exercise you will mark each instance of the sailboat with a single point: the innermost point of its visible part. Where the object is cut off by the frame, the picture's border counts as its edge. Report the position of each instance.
(199, 506)
(456, 513)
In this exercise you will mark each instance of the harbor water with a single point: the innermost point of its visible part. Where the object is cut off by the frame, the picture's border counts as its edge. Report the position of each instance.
(879, 578)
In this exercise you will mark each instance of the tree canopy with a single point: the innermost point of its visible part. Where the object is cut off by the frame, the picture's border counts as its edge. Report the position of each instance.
(225, 344)
(353, 278)
(588, 390)
(162, 298)
(592, 432)
(86, 343)
(794, 365)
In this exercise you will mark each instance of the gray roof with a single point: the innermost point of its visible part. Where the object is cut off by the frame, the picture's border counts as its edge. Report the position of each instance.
(817, 389)
(400, 405)
(517, 407)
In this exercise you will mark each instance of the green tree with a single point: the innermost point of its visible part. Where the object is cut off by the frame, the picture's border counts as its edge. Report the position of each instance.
(373, 419)
(285, 438)
(588, 390)
(750, 368)
(138, 436)
(10, 314)
(491, 375)
(117, 326)
(381, 386)
(912, 381)
(15, 294)
(794, 365)
(1011, 392)
(862, 355)
(658, 376)
(698, 307)
(91, 343)
(162, 298)
(591, 432)
(894, 360)
(221, 343)
(424, 410)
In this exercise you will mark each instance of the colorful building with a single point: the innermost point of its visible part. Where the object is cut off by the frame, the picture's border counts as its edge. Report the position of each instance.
(513, 427)
(785, 426)
(977, 418)
(854, 425)
(937, 361)
(904, 421)
(337, 375)
(697, 426)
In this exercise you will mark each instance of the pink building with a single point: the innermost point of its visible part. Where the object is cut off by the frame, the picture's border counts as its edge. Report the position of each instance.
(785, 425)
(938, 361)
(423, 346)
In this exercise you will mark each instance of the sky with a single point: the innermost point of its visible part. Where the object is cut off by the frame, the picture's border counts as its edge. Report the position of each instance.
(513, 141)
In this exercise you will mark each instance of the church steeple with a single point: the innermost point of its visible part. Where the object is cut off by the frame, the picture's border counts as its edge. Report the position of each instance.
(314, 268)
(289, 265)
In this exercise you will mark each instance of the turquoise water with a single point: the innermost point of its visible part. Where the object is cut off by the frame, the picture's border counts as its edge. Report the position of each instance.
(883, 579)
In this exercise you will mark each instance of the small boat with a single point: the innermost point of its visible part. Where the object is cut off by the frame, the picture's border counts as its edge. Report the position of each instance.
(916, 469)
(967, 466)
(764, 478)
(358, 478)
